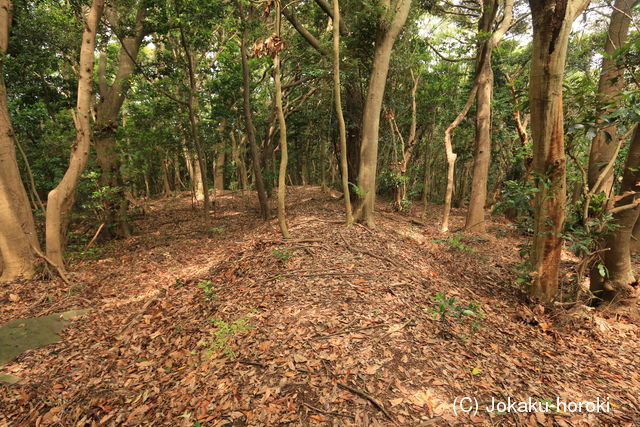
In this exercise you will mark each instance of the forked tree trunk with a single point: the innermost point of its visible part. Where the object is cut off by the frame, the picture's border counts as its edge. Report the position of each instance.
(619, 283)
(107, 114)
(17, 227)
(251, 133)
(552, 22)
(475, 220)
(284, 156)
(61, 198)
(610, 87)
(342, 130)
(451, 159)
(393, 21)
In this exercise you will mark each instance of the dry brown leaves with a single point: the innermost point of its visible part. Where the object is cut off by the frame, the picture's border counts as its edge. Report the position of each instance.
(338, 333)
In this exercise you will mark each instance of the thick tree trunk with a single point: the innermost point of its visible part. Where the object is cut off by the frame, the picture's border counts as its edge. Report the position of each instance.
(620, 284)
(395, 18)
(251, 135)
(342, 130)
(610, 87)
(284, 157)
(106, 123)
(552, 22)
(17, 227)
(61, 198)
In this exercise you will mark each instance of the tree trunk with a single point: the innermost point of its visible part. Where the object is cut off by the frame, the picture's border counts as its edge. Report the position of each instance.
(17, 227)
(342, 130)
(61, 198)
(552, 22)
(396, 16)
(475, 220)
(219, 172)
(610, 87)
(177, 179)
(106, 123)
(237, 153)
(166, 187)
(251, 135)
(194, 121)
(195, 175)
(619, 282)
(451, 159)
(284, 157)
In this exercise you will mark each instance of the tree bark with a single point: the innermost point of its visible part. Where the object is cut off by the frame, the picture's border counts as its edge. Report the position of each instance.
(194, 121)
(342, 130)
(451, 158)
(620, 284)
(17, 227)
(552, 22)
(237, 152)
(61, 198)
(284, 156)
(394, 18)
(106, 123)
(251, 134)
(475, 220)
(610, 86)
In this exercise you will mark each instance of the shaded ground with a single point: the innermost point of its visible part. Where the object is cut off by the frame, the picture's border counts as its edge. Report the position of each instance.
(236, 327)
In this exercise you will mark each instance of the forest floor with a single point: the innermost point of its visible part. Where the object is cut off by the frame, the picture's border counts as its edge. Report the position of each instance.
(234, 326)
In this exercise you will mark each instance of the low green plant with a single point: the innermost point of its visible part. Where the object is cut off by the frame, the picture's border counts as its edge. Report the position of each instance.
(208, 289)
(447, 307)
(357, 190)
(216, 231)
(405, 205)
(282, 254)
(455, 242)
(225, 333)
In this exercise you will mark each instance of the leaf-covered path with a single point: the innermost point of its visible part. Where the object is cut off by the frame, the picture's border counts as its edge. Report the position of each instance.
(235, 326)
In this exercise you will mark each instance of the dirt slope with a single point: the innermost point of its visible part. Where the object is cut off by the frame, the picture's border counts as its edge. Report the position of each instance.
(237, 327)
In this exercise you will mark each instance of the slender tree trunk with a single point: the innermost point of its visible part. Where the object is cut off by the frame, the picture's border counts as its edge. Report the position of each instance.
(194, 121)
(342, 129)
(284, 157)
(475, 220)
(61, 198)
(610, 87)
(219, 172)
(177, 179)
(166, 187)
(620, 283)
(17, 227)
(195, 175)
(395, 18)
(552, 22)
(322, 166)
(451, 159)
(237, 153)
(251, 135)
